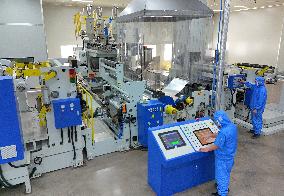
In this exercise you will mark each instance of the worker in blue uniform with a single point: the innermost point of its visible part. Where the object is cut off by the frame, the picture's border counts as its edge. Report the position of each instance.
(225, 147)
(257, 104)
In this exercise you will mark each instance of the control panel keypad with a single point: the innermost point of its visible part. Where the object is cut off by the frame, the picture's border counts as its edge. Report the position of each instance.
(191, 132)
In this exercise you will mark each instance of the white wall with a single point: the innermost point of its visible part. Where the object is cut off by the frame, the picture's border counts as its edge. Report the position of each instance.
(22, 30)
(60, 28)
(254, 36)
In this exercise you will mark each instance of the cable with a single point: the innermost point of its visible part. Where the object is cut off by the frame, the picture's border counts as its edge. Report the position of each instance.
(76, 134)
(37, 160)
(3, 179)
(72, 140)
(130, 133)
(61, 137)
(18, 166)
(33, 172)
(69, 136)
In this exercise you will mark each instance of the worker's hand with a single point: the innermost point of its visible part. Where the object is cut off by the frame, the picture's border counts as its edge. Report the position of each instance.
(203, 150)
(254, 111)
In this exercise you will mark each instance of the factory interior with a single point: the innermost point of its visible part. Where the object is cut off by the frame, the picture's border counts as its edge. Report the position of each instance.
(141, 97)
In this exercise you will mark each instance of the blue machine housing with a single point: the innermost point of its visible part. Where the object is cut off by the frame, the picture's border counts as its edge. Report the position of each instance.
(167, 100)
(11, 142)
(149, 115)
(67, 112)
(234, 81)
(167, 177)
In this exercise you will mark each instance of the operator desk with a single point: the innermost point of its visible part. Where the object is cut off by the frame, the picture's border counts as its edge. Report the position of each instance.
(174, 161)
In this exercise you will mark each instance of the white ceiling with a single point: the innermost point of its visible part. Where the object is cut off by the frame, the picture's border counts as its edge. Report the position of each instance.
(102, 3)
(239, 5)
(236, 5)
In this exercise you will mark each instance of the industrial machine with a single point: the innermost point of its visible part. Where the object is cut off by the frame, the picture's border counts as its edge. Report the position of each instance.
(236, 98)
(174, 161)
(98, 34)
(44, 133)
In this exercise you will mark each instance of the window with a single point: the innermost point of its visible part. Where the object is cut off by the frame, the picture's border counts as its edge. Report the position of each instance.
(168, 52)
(67, 50)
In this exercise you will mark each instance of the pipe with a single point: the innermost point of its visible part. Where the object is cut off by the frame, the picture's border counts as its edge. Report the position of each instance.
(223, 46)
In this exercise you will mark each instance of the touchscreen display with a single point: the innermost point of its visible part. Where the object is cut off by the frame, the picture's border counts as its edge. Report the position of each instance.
(204, 136)
(172, 139)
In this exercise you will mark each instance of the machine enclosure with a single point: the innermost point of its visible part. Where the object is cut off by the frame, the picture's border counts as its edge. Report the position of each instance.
(167, 177)
(67, 112)
(11, 143)
(149, 115)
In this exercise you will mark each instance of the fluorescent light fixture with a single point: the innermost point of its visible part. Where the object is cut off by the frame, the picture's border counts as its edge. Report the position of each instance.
(255, 8)
(83, 1)
(240, 6)
(262, 7)
(270, 6)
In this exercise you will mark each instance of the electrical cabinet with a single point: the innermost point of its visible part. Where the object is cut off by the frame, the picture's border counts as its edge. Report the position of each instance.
(149, 115)
(67, 112)
(11, 140)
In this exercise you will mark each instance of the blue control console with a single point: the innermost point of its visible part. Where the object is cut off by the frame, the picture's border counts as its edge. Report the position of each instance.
(11, 140)
(174, 161)
(67, 112)
(149, 115)
(234, 81)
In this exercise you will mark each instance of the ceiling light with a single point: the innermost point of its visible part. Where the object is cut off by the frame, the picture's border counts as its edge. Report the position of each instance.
(240, 6)
(255, 8)
(83, 1)
(270, 6)
(262, 7)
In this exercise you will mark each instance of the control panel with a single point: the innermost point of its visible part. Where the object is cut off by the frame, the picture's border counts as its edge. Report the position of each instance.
(234, 81)
(185, 138)
(199, 132)
(173, 142)
(67, 112)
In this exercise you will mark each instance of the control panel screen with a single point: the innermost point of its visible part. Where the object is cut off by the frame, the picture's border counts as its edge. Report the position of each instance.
(204, 136)
(172, 139)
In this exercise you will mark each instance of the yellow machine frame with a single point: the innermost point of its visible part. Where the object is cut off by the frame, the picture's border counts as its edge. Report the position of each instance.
(88, 115)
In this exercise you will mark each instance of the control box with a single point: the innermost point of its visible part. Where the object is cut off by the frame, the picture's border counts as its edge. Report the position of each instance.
(174, 161)
(234, 81)
(67, 112)
(11, 140)
(149, 115)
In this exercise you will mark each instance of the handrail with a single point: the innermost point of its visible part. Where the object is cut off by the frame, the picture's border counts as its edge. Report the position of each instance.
(88, 115)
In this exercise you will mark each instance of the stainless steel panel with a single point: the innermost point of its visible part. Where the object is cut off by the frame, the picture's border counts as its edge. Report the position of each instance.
(164, 10)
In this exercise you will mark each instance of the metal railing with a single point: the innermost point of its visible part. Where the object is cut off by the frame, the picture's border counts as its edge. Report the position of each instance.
(88, 115)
